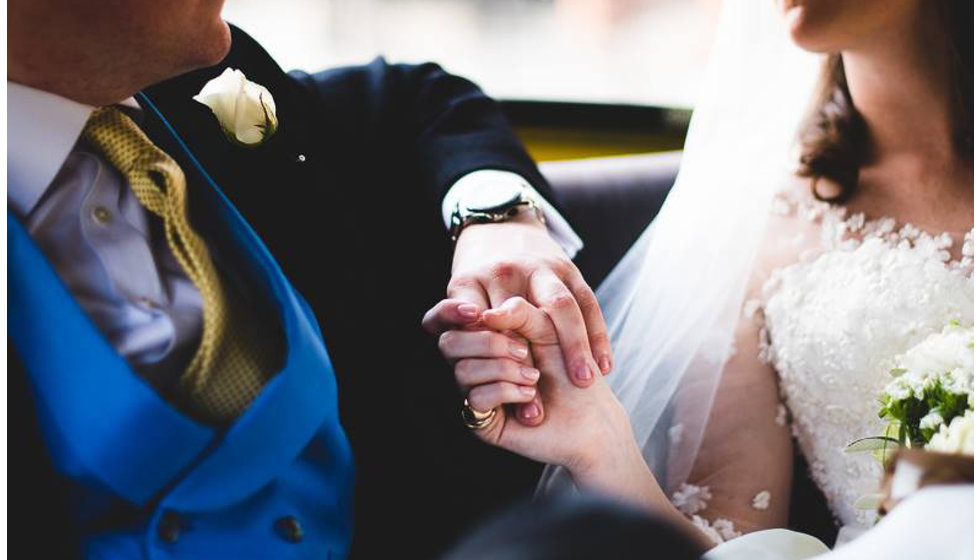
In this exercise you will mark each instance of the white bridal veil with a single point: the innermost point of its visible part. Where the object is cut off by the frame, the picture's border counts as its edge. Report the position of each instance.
(672, 303)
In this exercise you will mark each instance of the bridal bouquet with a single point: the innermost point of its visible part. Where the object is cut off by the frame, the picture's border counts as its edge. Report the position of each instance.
(928, 405)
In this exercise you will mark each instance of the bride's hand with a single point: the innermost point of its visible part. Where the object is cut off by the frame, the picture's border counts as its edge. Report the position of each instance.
(585, 430)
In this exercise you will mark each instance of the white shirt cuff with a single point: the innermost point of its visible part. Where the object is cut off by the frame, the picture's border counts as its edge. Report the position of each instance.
(560, 230)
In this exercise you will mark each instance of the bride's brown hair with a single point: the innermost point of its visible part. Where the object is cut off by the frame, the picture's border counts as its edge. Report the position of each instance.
(834, 137)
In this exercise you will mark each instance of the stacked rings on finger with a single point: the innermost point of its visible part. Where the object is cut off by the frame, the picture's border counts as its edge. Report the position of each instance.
(474, 419)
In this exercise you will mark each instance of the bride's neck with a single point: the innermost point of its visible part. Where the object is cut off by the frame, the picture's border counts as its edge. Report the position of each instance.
(901, 84)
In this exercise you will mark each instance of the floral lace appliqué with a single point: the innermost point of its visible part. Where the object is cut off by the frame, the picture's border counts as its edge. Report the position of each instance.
(719, 530)
(691, 498)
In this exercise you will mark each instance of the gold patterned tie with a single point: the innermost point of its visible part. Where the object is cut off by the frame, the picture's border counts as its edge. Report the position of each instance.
(233, 360)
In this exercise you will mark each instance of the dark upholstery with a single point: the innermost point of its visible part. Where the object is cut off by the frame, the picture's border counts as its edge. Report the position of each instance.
(609, 202)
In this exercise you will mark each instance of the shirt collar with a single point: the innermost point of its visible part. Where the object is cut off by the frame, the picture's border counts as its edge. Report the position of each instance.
(42, 129)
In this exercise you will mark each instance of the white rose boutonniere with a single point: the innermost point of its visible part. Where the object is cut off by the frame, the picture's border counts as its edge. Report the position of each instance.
(245, 110)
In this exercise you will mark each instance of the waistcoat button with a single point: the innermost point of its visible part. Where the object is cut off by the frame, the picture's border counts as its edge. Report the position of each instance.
(168, 530)
(289, 529)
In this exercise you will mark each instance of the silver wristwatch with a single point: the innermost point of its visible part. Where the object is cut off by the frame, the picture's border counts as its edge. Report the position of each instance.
(483, 206)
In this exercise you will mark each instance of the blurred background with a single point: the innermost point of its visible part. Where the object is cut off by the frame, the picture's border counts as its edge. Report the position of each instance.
(579, 78)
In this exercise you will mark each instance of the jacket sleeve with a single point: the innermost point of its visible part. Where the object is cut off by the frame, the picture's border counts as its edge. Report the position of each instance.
(448, 124)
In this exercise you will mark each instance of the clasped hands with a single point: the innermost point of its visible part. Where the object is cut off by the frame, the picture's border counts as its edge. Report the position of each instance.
(526, 337)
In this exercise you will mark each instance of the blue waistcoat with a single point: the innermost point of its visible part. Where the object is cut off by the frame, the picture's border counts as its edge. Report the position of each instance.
(275, 484)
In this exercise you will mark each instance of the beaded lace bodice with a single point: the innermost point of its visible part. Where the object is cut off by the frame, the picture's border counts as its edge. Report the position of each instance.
(862, 293)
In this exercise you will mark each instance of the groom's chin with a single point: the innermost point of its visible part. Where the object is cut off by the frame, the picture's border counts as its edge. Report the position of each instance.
(214, 47)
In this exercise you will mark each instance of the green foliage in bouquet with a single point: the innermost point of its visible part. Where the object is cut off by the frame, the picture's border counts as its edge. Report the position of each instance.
(937, 403)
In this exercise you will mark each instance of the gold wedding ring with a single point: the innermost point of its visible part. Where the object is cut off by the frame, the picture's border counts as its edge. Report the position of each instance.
(474, 419)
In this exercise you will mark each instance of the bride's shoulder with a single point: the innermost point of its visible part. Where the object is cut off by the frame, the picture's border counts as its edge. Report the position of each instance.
(793, 231)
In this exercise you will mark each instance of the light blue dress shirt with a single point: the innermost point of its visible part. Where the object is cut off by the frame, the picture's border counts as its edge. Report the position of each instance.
(81, 213)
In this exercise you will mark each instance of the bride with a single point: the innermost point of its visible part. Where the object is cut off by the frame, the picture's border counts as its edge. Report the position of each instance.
(821, 224)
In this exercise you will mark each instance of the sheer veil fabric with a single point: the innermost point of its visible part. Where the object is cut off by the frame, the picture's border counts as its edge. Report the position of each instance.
(672, 303)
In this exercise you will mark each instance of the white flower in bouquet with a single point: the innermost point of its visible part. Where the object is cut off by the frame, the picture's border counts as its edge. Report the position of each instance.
(955, 438)
(931, 421)
(245, 109)
(945, 358)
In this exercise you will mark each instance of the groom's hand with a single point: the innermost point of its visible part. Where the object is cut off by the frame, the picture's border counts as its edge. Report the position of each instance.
(495, 262)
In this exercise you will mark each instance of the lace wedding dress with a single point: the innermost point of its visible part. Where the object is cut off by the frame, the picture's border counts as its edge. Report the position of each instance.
(833, 322)
(854, 294)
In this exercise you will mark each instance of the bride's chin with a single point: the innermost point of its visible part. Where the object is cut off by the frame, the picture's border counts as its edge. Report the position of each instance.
(801, 31)
(793, 18)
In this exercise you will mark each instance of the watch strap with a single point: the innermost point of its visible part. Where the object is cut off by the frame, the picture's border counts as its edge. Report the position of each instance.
(461, 218)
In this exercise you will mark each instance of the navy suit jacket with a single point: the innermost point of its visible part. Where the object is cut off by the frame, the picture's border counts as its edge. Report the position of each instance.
(347, 196)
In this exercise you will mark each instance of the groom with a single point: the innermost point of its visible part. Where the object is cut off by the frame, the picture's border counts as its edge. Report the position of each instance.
(174, 296)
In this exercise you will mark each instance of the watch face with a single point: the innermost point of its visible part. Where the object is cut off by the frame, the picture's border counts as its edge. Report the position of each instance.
(492, 198)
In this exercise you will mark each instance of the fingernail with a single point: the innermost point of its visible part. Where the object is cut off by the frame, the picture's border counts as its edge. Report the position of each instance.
(519, 351)
(526, 391)
(605, 364)
(468, 311)
(530, 374)
(530, 411)
(582, 372)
